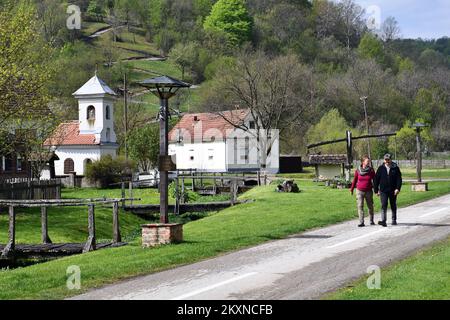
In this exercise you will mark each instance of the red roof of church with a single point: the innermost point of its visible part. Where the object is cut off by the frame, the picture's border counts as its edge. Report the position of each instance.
(68, 134)
(223, 121)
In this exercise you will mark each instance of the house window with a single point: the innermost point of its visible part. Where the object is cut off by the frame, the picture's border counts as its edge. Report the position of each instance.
(91, 113)
(8, 165)
(19, 164)
(211, 158)
(252, 125)
(107, 114)
(69, 166)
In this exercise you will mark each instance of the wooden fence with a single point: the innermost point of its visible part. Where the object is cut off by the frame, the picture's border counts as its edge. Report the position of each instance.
(90, 245)
(29, 189)
(426, 164)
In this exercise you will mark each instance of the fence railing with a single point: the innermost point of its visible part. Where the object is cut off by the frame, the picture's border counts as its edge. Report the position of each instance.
(426, 164)
(30, 189)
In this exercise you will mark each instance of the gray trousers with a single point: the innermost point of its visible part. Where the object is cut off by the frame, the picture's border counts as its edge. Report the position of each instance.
(360, 197)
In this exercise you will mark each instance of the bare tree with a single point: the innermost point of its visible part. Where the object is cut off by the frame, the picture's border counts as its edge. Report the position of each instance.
(276, 91)
(352, 16)
(390, 29)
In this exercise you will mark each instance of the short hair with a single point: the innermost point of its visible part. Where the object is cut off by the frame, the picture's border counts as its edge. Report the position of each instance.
(364, 157)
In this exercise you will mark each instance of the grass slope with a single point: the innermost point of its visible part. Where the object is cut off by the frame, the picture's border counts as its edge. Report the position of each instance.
(271, 216)
(424, 276)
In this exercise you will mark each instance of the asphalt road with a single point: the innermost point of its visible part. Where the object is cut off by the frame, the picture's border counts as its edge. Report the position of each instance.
(303, 266)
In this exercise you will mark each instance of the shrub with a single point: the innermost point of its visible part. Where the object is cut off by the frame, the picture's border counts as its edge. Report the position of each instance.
(188, 195)
(107, 171)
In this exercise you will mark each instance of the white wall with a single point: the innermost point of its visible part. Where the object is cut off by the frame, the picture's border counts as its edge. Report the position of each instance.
(101, 123)
(236, 154)
(330, 171)
(206, 156)
(79, 154)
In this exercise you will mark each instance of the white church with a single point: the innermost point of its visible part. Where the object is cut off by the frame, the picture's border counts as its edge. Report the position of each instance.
(80, 142)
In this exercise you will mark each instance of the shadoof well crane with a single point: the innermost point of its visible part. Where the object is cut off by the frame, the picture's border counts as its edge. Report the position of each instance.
(349, 140)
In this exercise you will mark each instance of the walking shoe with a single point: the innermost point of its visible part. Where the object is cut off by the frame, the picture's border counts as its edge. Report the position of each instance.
(372, 223)
(361, 225)
(381, 223)
(394, 223)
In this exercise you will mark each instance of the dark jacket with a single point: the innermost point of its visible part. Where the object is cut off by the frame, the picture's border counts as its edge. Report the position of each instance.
(388, 183)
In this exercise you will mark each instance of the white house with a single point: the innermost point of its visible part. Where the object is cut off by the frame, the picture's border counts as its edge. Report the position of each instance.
(221, 142)
(77, 143)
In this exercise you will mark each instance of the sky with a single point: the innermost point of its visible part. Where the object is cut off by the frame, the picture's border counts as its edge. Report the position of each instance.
(424, 19)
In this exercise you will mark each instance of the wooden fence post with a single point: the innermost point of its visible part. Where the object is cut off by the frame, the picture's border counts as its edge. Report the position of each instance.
(182, 190)
(90, 243)
(177, 196)
(11, 233)
(130, 186)
(44, 226)
(233, 191)
(116, 227)
(123, 195)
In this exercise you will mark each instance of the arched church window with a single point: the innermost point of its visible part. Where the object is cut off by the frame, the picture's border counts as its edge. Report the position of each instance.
(87, 163)
(107, 112)
(91, 113)
(69, 166)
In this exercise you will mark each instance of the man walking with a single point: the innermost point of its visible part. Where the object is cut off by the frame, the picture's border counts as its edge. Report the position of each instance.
(387, 185)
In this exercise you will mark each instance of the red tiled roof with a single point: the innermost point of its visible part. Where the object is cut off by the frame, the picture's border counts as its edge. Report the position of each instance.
(68, 134)
(208, 121)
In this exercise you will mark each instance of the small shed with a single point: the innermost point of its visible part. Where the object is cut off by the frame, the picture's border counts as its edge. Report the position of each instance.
(328, 166)
(291, 164)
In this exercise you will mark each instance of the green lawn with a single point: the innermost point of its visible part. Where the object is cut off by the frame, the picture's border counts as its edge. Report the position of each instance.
(424, 276)
(427, 173)
(308, 173)
(271, 216)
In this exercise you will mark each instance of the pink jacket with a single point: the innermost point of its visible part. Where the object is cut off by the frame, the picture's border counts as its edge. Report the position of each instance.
(363, 183)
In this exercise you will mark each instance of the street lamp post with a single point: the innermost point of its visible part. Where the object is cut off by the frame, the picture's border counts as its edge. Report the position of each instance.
(419, 127)
(364, 101)
(419, 186)
(164, 88)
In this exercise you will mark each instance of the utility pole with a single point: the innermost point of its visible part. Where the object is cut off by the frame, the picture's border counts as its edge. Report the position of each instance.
(125, 113)
(364, 101)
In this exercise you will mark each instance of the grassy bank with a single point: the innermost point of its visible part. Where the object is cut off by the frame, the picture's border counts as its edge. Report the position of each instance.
(424, 276)
(271, 216)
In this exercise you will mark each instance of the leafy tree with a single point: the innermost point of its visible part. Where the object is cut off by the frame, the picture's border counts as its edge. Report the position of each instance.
(184, 56)
(371, 47)
(25, 69)
(405, 141)
(143, 144)
(429, 105)
(95, 10)
(232, 18)
(332, 126)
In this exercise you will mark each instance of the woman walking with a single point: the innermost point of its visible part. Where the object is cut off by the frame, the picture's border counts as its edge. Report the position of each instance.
(363, 182)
